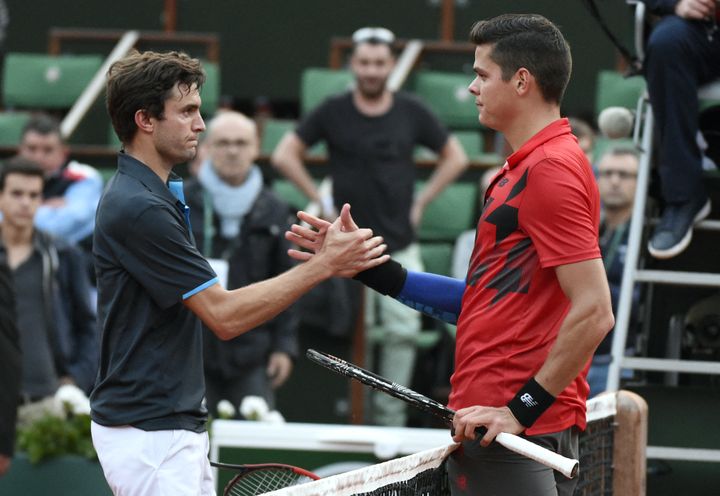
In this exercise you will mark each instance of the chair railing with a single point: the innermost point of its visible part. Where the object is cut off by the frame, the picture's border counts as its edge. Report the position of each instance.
(60, 36)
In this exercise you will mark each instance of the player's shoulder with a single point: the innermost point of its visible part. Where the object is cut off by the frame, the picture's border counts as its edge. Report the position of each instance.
(126, 200)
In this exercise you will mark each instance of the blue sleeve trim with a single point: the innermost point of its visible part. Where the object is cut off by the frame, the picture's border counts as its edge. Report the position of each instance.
(438, 296)
(204, 285)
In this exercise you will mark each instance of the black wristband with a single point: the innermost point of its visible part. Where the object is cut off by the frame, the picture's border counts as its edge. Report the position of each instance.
(388, 278)
(530, 402)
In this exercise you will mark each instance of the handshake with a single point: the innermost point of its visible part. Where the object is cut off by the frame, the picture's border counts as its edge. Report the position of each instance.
(341, 248)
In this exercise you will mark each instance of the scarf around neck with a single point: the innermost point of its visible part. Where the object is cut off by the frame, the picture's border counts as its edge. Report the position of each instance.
(231, 203)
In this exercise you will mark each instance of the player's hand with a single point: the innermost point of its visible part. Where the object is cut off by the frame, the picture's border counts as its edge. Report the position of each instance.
(695, 9)
(308, 238)
(495, 420)
(312, 238)
(347, 253)
(279, 367)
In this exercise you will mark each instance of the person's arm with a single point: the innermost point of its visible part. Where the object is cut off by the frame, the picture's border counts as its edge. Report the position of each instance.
(590, 318)
(288, 159)
(74, 219)
(435, 295)
(452, 161)
(10, 367)
(231, 313)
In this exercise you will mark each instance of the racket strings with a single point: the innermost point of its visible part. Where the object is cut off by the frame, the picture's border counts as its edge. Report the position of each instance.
(263, 481)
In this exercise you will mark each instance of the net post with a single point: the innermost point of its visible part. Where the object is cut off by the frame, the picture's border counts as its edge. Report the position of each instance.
(629, 451)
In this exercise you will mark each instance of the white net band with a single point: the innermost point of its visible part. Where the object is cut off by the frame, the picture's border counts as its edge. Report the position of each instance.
(370, 478)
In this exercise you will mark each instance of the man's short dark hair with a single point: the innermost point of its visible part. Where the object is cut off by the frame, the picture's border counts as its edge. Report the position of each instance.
(144, 81)
(22, 166)
(530, 41)
(43, 124)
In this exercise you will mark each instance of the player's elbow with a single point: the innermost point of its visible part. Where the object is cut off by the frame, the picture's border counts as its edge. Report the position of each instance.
(222, 331)
(601, 320)
(227, 327)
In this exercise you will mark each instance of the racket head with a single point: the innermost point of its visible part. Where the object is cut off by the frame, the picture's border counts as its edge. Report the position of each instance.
(262, 478)
(380, 383)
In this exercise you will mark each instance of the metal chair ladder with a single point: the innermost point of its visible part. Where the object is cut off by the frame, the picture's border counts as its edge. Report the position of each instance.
(643, 136)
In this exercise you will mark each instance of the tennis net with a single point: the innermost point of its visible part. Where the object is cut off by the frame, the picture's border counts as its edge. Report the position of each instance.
(612, 460)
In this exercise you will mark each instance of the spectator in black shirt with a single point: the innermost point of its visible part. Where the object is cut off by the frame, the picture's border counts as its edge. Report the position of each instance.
(371, 134)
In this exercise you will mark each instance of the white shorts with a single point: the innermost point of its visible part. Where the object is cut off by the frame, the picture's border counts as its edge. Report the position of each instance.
(154, 463)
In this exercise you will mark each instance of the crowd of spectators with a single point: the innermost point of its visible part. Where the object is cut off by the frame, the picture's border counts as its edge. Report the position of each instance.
(48, 322)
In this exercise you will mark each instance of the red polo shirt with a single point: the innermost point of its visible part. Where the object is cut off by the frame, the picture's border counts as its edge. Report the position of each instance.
(541, 210)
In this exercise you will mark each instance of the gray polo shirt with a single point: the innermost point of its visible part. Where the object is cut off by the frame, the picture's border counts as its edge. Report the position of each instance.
(151, 370)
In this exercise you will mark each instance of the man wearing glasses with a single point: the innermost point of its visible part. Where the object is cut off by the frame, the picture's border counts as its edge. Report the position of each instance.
(371, 134)
(617, 174)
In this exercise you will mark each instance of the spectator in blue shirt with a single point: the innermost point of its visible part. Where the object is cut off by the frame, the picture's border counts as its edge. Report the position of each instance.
(72, 190)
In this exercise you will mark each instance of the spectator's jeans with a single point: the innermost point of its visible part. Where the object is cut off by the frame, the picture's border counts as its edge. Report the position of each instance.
(400, 326)
(679, 59)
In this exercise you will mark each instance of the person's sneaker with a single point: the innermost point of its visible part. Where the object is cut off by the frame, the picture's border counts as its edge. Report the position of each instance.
(674, 231)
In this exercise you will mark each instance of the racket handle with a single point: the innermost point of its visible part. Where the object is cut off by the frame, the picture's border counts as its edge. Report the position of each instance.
(567, 466)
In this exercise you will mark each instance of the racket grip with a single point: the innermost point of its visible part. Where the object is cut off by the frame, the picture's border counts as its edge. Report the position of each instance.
(567, 466)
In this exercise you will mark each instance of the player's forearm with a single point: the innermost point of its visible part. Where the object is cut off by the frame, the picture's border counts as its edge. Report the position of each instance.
(243, 309)
(437, 296)
(584, 327)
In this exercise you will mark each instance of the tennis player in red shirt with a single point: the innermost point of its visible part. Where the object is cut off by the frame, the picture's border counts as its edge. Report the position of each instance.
(535, 303)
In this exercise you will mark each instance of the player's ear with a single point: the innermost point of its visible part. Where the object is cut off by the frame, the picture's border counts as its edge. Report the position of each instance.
(143, 121)
(522, 80)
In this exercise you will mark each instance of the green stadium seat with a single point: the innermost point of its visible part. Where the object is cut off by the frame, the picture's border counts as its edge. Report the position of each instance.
(210, 92)
(447, 94)
(11, 125)
(437, 257)
(471, 141)
(273, 131)
(450, 213)
(39, 81)
(288, 192)
(615, 90)
(317, 84)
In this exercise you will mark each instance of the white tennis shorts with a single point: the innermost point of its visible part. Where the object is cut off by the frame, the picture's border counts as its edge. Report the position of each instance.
(154, 463)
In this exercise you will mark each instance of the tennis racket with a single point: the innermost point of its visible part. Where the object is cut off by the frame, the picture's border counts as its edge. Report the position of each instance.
(263, 477)
(567, 466)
